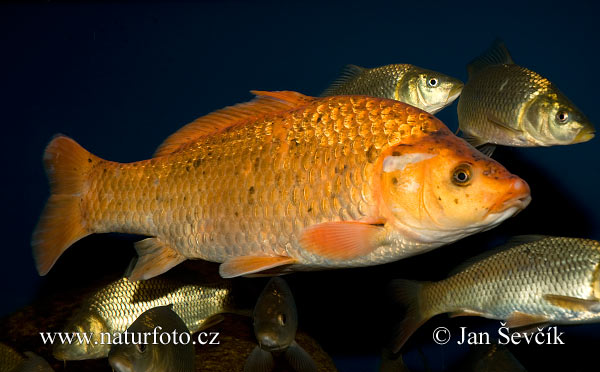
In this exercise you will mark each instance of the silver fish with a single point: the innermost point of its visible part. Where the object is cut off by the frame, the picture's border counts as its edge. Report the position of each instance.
(531, 280)
(275, 325)
(154, 356)
(113, 308)
(505, 104)
(428, 90)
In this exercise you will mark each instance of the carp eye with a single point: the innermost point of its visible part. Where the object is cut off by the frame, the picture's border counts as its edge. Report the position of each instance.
(461, 176)
(281, 319)
(433, 82)
(141, 347)
(562, 117)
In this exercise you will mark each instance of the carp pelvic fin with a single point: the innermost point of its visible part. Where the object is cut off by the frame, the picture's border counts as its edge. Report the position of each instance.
(342, 240)
(154, 258)
(573, 303)
(228, 117)
(211, 321)
(299, 359)
(61, 223)
(245, 265)
(259, 360)
(518, 319)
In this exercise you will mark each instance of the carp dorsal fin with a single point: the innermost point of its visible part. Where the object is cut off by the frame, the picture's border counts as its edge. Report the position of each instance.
(348, 73)
(218, 121)
(497, 54)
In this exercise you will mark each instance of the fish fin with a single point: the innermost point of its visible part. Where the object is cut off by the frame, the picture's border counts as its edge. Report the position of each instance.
(465, 313)
(299, 359)
(499, 123)
(259, 360)
(228, 117)
(573, 303)
(61, 223)
(497, 54)
(154, 258)
(348, 73)
(342, 240)
(33, 362)
(407, 293)
(487, 149)
(238, 266)
(211, 321)
(473, 140)
(518, 319)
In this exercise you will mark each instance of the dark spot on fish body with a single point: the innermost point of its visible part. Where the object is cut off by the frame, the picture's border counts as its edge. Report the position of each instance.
(395, 153)
(236, 214)
(455, 201)
(197, 163)
(394, 181)
(439, 198)
(251, 190)
(187, 168)
(371, 154)
(309, 209)
(89, 160)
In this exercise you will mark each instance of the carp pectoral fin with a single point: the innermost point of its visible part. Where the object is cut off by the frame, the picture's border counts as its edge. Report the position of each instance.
(573, 303)
(519, 319)
(259, 360)
(473, 140)
(211, 321)
(465, 313)
(299, 359)
(154, 258)
(499, 123)
(238, 266)
(342, 240)
(487, 149)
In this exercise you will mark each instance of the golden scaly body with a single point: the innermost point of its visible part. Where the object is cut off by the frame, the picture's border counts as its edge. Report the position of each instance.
(254, 188)
(285, 181)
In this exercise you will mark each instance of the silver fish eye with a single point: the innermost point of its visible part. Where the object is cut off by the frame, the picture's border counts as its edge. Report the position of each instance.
(141, 347)
(433, 82)
(562, 117)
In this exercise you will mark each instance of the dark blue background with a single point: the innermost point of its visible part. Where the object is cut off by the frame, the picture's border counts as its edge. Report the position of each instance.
(121, 78)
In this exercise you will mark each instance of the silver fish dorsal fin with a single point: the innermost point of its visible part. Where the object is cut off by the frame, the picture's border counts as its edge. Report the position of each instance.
(348, 73)
(217, 121)
(497, 54)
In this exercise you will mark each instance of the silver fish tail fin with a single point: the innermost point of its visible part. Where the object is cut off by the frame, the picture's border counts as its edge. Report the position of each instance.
(408, 294)
(61, 223)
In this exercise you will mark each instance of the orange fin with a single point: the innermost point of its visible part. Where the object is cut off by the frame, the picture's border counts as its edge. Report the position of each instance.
(573, 303)
(154, 258)
(519, 319)
(61, 224)
(238, 266)
(407, 293)
(465, 313)
(342, 240)
(220, 120)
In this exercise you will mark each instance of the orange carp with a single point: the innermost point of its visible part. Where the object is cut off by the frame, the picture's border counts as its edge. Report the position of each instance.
(285, 182)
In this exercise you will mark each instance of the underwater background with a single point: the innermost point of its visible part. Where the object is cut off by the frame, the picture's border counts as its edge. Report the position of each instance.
(119, 78)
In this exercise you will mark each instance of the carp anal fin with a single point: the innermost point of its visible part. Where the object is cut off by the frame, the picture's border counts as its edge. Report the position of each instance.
(465, 313)
(259, 360)
(518, 319)
(220, 120)
(154, 258)
(245, 265)
(573, 303)
(497, 54)
(348, 73)
(299, 359)
(343, 240)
